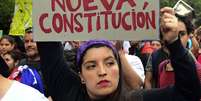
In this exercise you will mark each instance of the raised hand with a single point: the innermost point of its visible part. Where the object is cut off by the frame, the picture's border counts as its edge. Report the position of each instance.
(169, 24)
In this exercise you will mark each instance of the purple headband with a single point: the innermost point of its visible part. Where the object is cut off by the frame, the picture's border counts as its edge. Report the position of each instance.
(90, 43)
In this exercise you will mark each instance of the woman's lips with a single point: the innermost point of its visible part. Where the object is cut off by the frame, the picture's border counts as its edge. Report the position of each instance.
(103, 83)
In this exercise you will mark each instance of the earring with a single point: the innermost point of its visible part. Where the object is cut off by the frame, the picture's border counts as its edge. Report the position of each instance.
(83, 82)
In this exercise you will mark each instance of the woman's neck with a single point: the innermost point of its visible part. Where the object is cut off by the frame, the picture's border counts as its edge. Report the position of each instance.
(5, 85)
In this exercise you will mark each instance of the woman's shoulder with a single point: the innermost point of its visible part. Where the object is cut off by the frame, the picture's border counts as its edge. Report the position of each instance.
(22, 92)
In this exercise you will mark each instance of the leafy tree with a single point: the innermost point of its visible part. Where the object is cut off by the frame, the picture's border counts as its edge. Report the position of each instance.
(169, 3)
(6, 13)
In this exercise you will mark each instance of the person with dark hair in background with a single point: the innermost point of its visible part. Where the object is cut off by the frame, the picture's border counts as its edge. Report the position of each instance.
(11, 90)
(12, 59)
(185, 29)
(7, 43)
(29, 68)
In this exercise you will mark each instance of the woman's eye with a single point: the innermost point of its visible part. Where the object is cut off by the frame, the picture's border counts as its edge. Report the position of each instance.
(6, 60)
(90, 67)
(110, 63)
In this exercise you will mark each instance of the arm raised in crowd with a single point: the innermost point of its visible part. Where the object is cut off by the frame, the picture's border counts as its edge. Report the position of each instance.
(56, 72)
(131, 77)
(187, 86)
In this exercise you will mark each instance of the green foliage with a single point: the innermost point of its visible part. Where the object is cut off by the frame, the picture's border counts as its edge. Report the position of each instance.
(196, 4)
(169, 3)
(6, 13)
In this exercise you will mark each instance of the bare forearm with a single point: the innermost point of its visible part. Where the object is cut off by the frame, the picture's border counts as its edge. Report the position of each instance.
(131, 77)
(148, 80)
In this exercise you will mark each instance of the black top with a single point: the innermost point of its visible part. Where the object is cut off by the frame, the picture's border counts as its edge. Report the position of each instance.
(157, 57)
(4, 69)
(65, 85)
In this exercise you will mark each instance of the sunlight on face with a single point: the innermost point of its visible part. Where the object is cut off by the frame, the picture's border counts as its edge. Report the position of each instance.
(100, 72)
(30, 45)
(5, 46)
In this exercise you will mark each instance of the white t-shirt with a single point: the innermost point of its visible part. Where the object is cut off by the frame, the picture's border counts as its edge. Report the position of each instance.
(21, 92)
(126, 46)
(136, 65)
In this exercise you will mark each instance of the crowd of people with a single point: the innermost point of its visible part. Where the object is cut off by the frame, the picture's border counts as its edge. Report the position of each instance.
(101, 70)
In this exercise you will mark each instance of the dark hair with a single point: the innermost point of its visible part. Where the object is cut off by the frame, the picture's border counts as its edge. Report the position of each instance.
(15, 54)
(95, 46)
(187, 22)
(28, 30)
(9, 38)
(70, 56)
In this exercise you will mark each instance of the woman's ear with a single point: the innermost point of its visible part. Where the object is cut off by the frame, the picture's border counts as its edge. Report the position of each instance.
(13, 46)
(81, 78)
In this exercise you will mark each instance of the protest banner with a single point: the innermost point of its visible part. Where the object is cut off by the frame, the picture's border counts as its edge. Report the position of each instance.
(57, 20)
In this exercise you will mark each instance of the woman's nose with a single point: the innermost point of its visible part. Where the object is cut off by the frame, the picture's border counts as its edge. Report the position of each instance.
(102, 70)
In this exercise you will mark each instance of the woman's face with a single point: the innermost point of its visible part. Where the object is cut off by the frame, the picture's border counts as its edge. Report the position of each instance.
(184, 37)
(9, 61)
(100, 72)
(5, 46)
(30, 45)
(156, 45)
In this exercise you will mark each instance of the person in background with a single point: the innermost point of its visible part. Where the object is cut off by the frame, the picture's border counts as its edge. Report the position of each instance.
(11, 90)
(135, 48)
(151, 69)
(12, 59)
(29, 68)
(185, 29)
(69, 45)
(7, 43)
(156, 44)
(133, 70)
(33, 57)
(146, 50)
(186, 32)
(198, 37)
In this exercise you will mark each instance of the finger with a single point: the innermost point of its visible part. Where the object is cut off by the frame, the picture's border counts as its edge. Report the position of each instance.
(167, 20)
(168, 10)
(169, 25)
(167, 15)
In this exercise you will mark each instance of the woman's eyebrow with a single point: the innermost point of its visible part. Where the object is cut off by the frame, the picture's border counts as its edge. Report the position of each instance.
(109, 57)
(90, 61)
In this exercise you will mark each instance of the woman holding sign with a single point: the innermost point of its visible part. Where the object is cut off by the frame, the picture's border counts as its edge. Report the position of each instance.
(100, 72)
